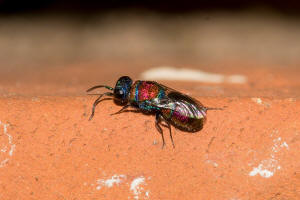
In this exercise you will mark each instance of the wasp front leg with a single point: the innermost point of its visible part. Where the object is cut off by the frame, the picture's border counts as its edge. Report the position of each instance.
(122, 109)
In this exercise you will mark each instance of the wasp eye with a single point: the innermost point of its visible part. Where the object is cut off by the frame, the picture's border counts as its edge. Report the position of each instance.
(122, 88)
(119, 93)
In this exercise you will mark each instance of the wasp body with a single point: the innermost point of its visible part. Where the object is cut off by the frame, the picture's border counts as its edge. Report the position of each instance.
(168, 105)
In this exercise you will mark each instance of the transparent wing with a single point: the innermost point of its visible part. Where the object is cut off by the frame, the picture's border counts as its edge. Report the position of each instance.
(181, 104)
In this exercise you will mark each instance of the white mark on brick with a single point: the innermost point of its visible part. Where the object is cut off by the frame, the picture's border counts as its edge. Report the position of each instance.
(147, 193)
(212, 162)
(9, 146)
(115, 179)
(4, 149)
(278, 144)
(35, 99)
(136, 187)
(12, 149)
(274, 133)
(268, 167)
(3, 162)
(183, 74)
(257, 100)
(284, 144)
(260, 102)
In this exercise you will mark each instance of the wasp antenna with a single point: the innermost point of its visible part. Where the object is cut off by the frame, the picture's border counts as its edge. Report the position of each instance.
(99, 86)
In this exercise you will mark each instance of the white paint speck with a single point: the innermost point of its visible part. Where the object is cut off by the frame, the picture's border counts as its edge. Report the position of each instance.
(279, 167)
(183, 74)
(268, 167)
(4, 149)
(284, 144)
(261, 171)
(136, 188)
(12, 149)
(257, 100)
(9, 145)
(35, 99)
(274, 133)
(279, 145)
(147, 193)
(212, 162)
(115, 179)
(98, 187)
(3, 162)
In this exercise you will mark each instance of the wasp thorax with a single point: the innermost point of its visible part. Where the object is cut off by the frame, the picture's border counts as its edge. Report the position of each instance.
(122, 88)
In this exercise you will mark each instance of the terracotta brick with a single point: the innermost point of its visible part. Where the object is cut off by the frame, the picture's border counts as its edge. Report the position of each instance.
(49, 149)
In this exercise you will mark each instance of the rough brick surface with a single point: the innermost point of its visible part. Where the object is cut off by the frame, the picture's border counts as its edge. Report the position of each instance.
(49, 149)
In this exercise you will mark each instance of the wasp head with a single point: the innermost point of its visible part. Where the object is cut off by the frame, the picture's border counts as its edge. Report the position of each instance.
(122, 89)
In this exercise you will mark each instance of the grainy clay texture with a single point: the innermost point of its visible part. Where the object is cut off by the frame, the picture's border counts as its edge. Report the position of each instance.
(248, 151)
(49, 149)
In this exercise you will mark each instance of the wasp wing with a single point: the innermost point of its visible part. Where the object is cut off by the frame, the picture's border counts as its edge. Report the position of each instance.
(183, 105)
(182, 111)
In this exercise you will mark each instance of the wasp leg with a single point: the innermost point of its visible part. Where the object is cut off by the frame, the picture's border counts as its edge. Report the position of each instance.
(157, 121)
(122, 109)
(97, 101)
(169, 126)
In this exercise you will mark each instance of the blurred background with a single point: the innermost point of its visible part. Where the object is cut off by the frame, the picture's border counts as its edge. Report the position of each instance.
(52, 32)
(117, 37)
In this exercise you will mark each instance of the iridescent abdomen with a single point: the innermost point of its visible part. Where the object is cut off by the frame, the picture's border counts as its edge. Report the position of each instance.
(184, 112)
(143, 92)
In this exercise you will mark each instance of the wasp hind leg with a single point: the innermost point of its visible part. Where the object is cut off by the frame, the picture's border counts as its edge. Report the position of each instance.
(157, 121)
(169, 126)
